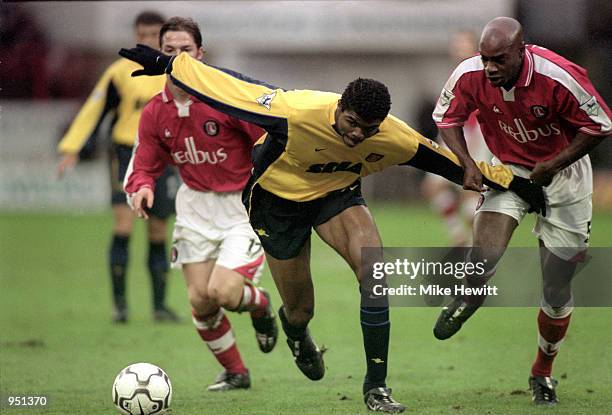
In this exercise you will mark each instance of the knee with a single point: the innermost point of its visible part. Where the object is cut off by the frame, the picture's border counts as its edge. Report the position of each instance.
(557, 298)
(562, 309)
(200, 301)
(123, 220)
(123, 226)
(157, 229)
(486, 257)
(224, 295)
(299, 316)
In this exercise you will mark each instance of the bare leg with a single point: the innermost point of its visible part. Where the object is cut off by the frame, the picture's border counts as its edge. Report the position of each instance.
(123, 220)
(294, 283)
(225, 287)
(214, 328)
(197, 276)
(492, 232)
(347, 233)
(557, 277)
(553, 321)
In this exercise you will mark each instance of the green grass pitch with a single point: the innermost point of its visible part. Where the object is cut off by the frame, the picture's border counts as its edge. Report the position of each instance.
(56, 338)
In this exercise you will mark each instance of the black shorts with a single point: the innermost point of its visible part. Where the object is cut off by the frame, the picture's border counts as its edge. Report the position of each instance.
(165, 187)
(284, 226)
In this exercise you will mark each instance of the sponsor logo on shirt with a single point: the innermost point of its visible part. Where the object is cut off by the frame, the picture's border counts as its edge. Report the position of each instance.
(194, 156)
(266, 100)
(333, 166)
(373, 157)
(521, 134)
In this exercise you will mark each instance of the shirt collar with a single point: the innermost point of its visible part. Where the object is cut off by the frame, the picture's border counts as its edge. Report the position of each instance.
(182, 108)
(526, 74)
(166, 94)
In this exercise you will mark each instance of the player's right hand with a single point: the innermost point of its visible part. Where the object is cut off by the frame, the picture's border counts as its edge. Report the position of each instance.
(67, 162)
(142, 200)
(152, 60)
(472, 178)
(531, 193)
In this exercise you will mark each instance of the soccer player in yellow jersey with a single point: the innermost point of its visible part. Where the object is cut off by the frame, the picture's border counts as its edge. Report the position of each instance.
(119, 94)
(306, 175)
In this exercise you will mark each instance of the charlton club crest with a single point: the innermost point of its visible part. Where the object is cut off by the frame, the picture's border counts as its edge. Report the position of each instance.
(539, 111)
(211, 128)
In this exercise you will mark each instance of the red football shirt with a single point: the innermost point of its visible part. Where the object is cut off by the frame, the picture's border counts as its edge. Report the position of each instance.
(211, 150)
(552, 100)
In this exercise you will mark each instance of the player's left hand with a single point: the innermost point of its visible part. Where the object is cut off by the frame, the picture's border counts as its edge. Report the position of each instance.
(141, 201)
(152, 60)
(543, 173)
(531, 193)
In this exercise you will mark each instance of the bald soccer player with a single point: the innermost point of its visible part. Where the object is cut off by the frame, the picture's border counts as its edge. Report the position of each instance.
(540, 115)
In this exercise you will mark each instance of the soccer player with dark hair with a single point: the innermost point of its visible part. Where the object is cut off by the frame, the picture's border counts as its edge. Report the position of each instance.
(123, 97)
(306, 174)
(540, 115)
(213, 242)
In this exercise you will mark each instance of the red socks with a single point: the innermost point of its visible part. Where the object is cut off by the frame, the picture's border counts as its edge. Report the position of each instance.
(253, 300)
(551, 332)
(216, 331)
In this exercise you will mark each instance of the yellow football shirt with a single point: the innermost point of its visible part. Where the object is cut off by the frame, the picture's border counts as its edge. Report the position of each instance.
(115, 91)
(302, 157)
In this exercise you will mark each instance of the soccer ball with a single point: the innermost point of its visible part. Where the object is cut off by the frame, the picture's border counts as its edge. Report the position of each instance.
(143, 389)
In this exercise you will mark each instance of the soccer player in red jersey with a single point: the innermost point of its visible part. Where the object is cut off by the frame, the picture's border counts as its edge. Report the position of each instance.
(214, 243)
(539, 114)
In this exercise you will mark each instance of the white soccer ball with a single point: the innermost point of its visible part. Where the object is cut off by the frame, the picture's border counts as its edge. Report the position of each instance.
(143, 389)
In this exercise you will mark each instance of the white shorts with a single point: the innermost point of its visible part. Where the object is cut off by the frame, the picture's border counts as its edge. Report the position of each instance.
(212, 225)
(565, 229)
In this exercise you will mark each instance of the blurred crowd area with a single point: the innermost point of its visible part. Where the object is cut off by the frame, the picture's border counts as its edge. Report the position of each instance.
(34, 67)
(53, 53)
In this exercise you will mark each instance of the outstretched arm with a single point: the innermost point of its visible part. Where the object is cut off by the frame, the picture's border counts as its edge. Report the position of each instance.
(430, 157)
(223, 90)
(455, 140)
